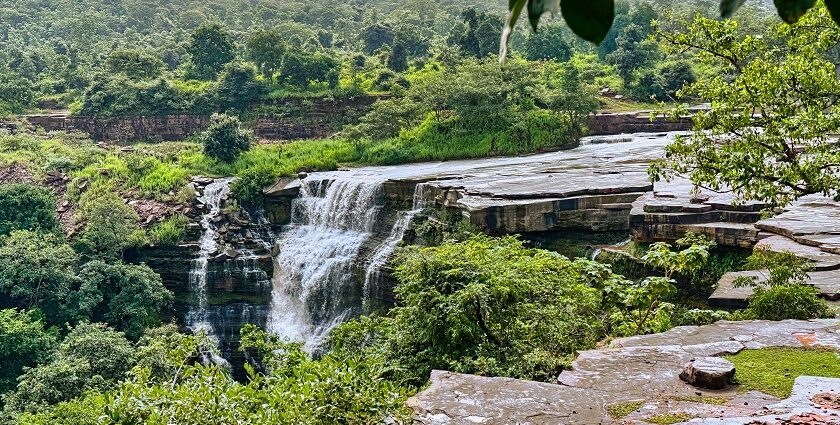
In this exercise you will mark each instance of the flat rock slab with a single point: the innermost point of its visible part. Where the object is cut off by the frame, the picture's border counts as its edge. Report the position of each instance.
(805, 406)
(824, 260)
(643, 368)
(727, 295)
(455, 398)
(813, 221)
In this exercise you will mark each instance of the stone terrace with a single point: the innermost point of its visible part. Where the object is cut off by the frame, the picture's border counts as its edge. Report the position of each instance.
(642, 372)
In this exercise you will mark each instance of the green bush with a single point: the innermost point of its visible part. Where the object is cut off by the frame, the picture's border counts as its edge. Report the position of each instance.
(225, 139)
(169, 232)
(787, 301)
(27, 207)
(24, 342)
(488, 306)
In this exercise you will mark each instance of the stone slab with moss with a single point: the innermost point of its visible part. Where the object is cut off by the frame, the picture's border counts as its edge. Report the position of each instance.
(607, 382)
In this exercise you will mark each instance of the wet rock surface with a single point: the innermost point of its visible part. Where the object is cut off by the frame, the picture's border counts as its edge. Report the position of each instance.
(712, 373)
(642, 372)
(591, 187)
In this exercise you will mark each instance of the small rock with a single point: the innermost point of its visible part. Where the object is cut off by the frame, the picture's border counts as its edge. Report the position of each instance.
(302, 175)
(712, 373)
(230, 252)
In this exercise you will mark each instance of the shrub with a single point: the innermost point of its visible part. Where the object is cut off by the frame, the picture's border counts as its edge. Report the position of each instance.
(27, 207)
(225, 139)
(489, 306)
(788, 301)
(111, 226)
(169, 232)
(238, 87)
(24, 342)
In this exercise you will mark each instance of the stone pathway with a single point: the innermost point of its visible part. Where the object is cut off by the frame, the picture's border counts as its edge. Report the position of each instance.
(639, 375)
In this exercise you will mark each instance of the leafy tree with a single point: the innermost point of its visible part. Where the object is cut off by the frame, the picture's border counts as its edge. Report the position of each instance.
(16, 93)
(238, 87)
(753, 141)
(488, 306)
(548, 43)
(225, 139)
(24, 342)
(37, 271)
(91, 357)
(136, 64)
(479, 34)
(266, 49)
(128, 297)
(211, 48)
(27, 207)
(641, 306)
(300, 68)
(633, 51)
(111, 226)
(397, 58)
(563, 91)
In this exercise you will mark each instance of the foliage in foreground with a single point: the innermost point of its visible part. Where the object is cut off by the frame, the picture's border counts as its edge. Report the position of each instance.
(293, 389)
(492, 306)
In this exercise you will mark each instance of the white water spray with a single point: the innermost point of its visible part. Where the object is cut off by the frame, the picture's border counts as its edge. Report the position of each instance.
(314, 281)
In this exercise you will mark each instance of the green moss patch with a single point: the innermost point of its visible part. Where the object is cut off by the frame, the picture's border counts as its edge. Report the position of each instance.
(718, 401)
(773, 370)
(620, 410)
(671, 418)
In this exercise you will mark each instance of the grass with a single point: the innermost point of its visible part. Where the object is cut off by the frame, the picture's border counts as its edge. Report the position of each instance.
(618, 411)
(160, 171)
(671, 418)
(773, 370)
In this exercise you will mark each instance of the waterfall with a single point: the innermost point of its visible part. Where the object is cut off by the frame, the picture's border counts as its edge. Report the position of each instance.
(380, 258)
(314, 278)
(198, 316)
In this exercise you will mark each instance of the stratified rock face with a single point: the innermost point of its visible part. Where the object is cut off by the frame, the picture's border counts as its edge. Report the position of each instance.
(674, 208)
(812, 221)
(591, 187)
(713, 373)
(641, 371)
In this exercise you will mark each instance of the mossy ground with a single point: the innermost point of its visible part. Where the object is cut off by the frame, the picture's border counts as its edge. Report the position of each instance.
(618, 411)
(668, 419)
(773, 370)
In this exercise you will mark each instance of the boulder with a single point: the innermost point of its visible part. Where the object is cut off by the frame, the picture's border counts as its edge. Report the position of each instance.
(712, 373)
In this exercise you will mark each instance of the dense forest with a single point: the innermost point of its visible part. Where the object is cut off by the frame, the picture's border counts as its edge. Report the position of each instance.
(84, 332)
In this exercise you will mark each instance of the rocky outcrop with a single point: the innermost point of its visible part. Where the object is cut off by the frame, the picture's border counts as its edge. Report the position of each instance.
(289, 119)
(639, 374)
(674, 208)
(635, 122)
(591, 187)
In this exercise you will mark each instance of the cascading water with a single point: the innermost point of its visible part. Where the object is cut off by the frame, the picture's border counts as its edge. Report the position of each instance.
(314, 281)
(198, 316)
(380, 258)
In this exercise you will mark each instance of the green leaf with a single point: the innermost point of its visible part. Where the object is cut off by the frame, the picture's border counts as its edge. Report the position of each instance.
(729, 7)
(589, 19)
(792, 10)
(833, 7)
